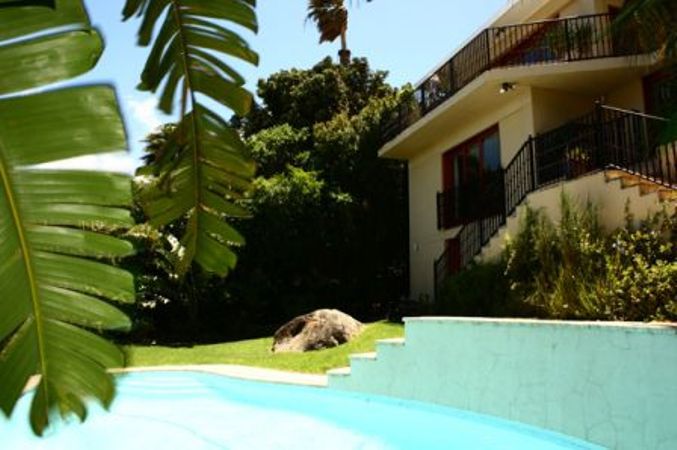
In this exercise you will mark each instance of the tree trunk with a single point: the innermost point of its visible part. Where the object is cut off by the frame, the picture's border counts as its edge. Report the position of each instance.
(344, 53)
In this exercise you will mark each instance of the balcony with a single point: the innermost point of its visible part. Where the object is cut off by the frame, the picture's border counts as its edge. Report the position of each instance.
(544, 42)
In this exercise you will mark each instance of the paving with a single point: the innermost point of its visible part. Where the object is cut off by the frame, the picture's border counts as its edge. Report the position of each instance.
(229, 370)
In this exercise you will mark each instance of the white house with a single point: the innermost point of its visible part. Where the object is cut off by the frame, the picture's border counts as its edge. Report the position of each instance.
(544, 98)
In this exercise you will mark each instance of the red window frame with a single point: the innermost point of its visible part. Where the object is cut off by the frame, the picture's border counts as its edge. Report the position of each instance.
(464, 148)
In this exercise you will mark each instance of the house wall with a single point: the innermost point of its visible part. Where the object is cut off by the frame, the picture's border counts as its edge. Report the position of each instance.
(527, 110)
(582, 7)
(552, 108)
(515, 121)
(609, 198)
(628, 96)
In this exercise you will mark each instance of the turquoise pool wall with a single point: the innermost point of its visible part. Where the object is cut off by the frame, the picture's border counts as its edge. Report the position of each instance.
(610, 384)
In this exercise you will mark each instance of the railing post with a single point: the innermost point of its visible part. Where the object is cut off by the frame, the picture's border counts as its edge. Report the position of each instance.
(486, 42)
(532, 156)
(567, 39)
(598, 125)
(439, 211)
(452, 78)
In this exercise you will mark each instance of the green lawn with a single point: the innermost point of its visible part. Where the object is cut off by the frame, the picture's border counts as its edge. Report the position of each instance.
(256, 352)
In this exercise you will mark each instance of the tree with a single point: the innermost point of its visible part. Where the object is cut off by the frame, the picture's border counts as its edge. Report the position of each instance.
(58, 269)
(331, 18)
(329, 216)
(328, 224)
(653, 23)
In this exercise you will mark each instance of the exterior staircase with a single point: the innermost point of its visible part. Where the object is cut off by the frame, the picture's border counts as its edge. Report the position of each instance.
(614, 189)
(619, 143)
(629, 180)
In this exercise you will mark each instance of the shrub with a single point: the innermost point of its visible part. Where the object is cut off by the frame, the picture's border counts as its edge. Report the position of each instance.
(639, 281)
(481, 290)
(550, 264)
(572, 270)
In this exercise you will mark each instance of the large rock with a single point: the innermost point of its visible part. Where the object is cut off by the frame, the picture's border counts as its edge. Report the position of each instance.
(319, 329)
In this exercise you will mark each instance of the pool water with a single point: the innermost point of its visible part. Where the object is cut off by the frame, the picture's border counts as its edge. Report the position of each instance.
(196, 411)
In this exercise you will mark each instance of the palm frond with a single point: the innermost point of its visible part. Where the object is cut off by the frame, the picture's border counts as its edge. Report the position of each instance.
(330, 16)
(54, 277)
(204, 165)
(653, 23)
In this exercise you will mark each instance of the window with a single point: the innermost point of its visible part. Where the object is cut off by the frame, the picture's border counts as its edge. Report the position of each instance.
(471, 173)
(473, 161)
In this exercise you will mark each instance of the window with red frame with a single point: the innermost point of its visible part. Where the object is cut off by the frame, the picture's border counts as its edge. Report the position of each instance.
(467, 170)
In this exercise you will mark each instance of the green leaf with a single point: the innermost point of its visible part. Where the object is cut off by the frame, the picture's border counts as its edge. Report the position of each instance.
(32, 17)
(56, 280)
(204, 166)
(61, 124)
(48, 59)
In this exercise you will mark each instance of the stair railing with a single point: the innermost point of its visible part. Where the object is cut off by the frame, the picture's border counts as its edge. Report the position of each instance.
(608, 137)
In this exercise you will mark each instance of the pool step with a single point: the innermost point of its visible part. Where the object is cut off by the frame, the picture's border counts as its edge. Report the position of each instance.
(366, 364)
(371, 356)
(339, 372)
(393, 341)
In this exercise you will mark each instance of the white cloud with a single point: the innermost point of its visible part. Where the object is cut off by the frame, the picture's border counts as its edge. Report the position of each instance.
(120, 162)
(145, 112)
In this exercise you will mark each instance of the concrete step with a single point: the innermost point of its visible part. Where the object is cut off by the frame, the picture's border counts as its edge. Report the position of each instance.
(647, 187)
(371, 356)
(392, 341)
(630, 181)
(667, 195)
(615, 174)
(340, 372)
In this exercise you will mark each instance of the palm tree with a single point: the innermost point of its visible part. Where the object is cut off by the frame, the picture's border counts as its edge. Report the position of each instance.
(331, 18)
(654, 22)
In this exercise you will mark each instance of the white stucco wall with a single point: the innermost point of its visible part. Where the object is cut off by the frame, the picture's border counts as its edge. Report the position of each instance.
(608, 196)
(628, 96)
(515, 122)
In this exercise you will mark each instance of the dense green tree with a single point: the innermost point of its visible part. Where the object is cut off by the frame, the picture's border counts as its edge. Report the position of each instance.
(328, 225)
(329, 216)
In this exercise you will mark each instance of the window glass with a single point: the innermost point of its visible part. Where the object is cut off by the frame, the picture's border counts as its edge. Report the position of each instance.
(492, 153)
(457, 169)
(473, 162)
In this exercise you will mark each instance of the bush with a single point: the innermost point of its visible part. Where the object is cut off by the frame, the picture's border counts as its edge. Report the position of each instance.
(639, 281)
(571, 270)
(481, 290)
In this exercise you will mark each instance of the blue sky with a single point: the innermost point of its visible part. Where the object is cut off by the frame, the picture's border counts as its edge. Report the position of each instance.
(407, 38)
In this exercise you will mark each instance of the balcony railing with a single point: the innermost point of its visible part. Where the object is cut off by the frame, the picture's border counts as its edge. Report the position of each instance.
(606, 138)
(471, 201)
(558, 40)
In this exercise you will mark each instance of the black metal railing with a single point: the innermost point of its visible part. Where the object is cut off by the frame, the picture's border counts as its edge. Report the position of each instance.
(548, 41)
(606, 138)
(470, 201)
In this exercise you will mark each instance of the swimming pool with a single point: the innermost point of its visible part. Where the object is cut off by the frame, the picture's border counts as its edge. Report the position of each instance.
(198, 411)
